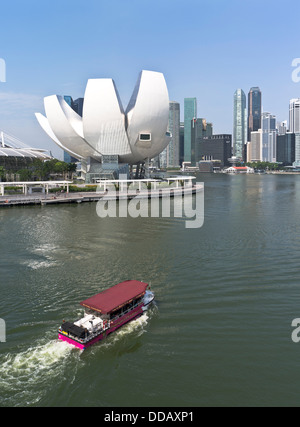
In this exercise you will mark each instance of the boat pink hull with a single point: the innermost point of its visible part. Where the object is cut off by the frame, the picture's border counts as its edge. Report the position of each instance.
(114, 325)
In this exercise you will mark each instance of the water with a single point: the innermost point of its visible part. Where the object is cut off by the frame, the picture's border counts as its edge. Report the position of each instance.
(220, 332)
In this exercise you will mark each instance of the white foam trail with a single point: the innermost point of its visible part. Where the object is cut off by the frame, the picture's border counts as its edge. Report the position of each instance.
(138, 323)
(31, 364)
(28, 376)
(28, 373)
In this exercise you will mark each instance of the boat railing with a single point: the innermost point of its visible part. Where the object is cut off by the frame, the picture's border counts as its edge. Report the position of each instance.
(89, 335)
(126, 311)
(102, 327)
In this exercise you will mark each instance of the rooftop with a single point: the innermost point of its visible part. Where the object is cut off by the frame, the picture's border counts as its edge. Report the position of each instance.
(116, 296)
(11, 146)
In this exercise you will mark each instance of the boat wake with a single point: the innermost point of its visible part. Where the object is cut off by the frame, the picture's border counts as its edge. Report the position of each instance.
(136, 325)
(27, 376)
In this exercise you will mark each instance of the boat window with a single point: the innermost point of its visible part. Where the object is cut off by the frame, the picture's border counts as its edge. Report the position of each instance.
(115, 313)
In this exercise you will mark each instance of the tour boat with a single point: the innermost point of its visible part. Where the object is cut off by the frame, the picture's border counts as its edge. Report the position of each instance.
(107, 311)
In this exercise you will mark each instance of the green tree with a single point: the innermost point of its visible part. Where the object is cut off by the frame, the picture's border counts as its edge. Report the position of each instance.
(38, 169)
(2, 173)
(25, 174)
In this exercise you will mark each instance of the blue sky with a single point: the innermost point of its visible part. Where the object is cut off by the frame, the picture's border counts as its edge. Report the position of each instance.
(205, 49)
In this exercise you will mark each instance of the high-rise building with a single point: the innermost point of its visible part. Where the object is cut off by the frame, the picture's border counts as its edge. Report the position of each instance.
(268, 127)
(68, 158)
(200, 129)
(78, 106)
(285, 148)
(239, 123)
(282, 127)
(69, 100)
(190, 112)
(296, 163)
(163, 159)
(254, 111)
(181, 143)
(174, 128)
(216, 148)
(255, 146)
(294, 125)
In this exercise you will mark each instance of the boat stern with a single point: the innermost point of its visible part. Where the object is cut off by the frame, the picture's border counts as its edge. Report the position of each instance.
(63, 337)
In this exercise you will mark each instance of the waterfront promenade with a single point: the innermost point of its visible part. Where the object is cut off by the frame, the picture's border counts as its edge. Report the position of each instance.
(45, 199)
(103, 194)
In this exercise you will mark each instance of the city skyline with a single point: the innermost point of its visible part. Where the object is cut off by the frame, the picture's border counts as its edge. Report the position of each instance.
(43, 56)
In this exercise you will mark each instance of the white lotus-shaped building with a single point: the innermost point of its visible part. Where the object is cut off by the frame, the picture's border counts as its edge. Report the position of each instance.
(134, 135)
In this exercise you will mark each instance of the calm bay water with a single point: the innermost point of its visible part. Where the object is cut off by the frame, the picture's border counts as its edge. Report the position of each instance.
(220, 333)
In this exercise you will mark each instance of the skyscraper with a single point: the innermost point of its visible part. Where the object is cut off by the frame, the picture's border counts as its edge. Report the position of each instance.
(216, 148)
(255, 146)
(200, 129)
(294, 115)
(69, 100)
(268, 126)
(254, 111)
(181, 143)
(174, 128)
(296, 163)
(282, 127)
(239, 123)
(78, 106)
(190, 112)
(285, 148)
(163, 159)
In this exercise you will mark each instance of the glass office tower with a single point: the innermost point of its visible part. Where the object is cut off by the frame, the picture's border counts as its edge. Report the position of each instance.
(239, 123)
(174, 128)
(285, 148)
(181, 143)
(190, 112)
(268, 123)
(254, 111)
(200, 130)
(78, 106)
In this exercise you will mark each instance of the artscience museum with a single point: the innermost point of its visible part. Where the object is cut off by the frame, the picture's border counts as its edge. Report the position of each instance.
(108, 137)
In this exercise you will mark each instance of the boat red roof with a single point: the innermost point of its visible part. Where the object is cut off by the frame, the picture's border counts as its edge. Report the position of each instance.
(116, 296)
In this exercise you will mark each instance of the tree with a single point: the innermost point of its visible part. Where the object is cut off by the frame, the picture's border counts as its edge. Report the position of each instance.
(25, 174)
(263, 165)
(72, 169)
(2, 173)
(38, 169)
